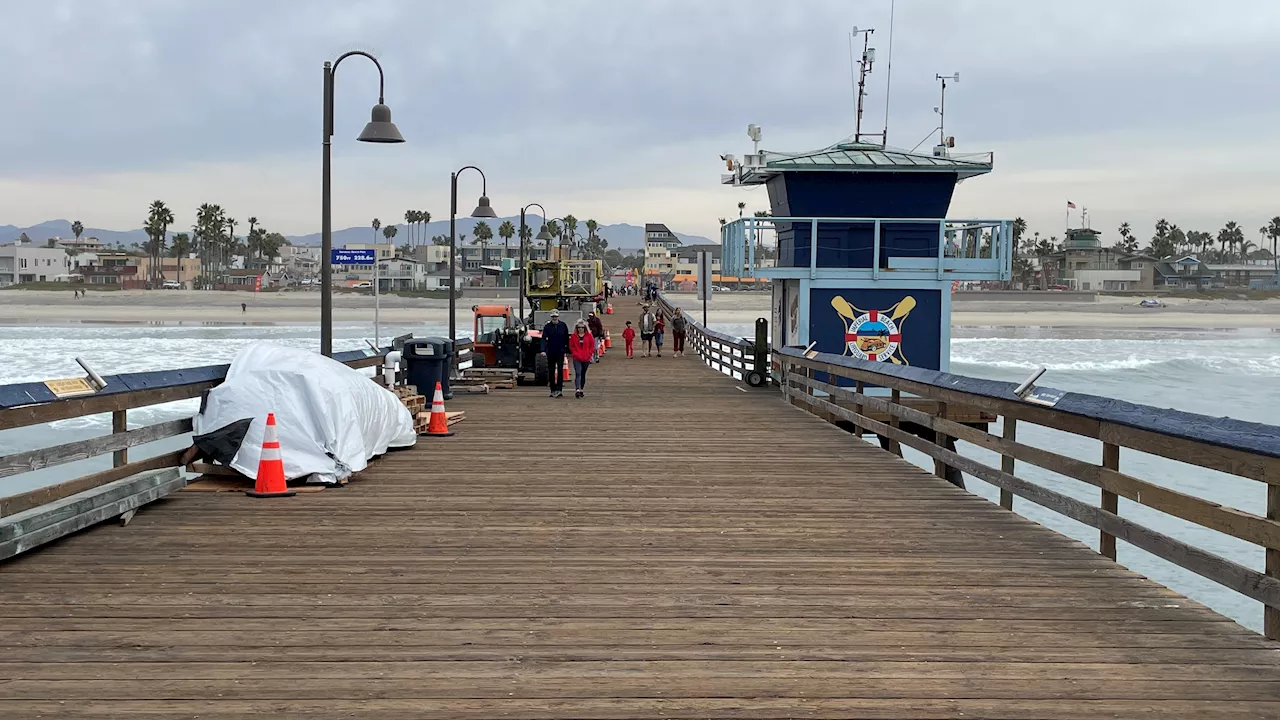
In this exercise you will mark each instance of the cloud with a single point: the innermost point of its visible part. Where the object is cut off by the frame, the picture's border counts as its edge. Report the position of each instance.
(619, 108)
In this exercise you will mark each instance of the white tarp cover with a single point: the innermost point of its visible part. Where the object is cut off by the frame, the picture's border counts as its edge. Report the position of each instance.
(330, 418)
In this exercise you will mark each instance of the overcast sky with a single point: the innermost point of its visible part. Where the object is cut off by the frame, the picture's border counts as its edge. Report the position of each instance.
(618, 109)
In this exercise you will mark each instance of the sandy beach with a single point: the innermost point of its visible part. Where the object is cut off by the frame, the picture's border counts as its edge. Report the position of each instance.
(18, 307)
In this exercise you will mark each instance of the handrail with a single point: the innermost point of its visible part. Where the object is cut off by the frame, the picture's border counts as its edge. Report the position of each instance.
(736, 357)
(1243, 449)
(121, 393)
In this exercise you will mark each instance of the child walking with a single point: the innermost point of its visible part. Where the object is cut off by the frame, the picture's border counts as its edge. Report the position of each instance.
(629, 335)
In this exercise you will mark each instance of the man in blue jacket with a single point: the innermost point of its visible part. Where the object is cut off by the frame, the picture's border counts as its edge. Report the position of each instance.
(555, 344)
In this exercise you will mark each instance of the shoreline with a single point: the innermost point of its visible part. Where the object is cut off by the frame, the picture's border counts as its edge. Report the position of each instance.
(30, 308)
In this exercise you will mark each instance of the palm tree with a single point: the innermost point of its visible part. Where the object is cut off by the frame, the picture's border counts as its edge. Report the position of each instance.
(410, 217)
(506, 231)
(1230, 236)
(570, 229)
(526, 234)
(77, 227)
(376, 224)
(389, 232)
(424, 217)
(179, 249)
(741, 206)
(253, 223)
(230, 248)
(481, 235)
(553, 228)
(159, 218)
(1272, 230)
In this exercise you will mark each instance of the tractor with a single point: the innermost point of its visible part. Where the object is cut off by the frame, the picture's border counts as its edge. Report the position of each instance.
(502, 341)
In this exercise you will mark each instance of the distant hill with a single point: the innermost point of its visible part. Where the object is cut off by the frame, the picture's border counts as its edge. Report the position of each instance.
(621, 236)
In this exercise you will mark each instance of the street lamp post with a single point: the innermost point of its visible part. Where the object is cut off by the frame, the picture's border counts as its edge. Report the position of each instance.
(483, 210)
(542, 235)
(379, 130)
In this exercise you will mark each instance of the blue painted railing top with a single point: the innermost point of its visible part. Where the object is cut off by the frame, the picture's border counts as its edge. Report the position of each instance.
(37, 393)
(1224, 432)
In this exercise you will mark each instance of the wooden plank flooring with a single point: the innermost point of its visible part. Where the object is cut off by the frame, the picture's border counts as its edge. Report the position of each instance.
(675, 545)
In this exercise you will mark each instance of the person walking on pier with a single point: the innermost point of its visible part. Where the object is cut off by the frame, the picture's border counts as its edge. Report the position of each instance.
(582, 347)
(659, 329)
(678, 326)
(647, 324)
(629, 337)
(597, 331)
(555, 345)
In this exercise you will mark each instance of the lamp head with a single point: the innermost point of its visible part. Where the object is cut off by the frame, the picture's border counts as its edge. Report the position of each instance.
(543, 234)
(483, 210)
(380, 128)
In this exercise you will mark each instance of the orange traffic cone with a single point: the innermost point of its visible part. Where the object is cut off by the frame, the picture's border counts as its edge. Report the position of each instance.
(270, 481)
(608, 339)
(565, 374)
(608, 309)
(439, 424)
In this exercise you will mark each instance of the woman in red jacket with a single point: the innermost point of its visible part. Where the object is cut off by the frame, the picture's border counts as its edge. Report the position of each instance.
(582, 346)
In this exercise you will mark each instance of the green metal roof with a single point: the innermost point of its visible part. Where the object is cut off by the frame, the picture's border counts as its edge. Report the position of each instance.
(861, 156)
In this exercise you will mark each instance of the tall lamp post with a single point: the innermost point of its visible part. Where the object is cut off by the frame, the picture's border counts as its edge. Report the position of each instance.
(483, 210)
(542, 235)
(379, 130)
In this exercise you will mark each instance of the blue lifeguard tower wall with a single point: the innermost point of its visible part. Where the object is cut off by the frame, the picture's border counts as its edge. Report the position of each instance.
(860, 244)
(883, 195)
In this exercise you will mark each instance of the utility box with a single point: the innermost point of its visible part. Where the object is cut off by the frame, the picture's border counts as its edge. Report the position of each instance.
(427, 362)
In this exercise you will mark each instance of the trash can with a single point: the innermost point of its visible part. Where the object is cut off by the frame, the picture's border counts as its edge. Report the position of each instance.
(427, 362)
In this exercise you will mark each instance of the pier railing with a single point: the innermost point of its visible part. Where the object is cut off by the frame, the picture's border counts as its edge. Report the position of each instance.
(45, 513)
(739, 358)
(836, 388)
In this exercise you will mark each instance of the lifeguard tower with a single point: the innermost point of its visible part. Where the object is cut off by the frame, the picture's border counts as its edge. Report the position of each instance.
(867, 258)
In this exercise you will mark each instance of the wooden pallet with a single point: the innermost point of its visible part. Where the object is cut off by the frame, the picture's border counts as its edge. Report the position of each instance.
(506, 373)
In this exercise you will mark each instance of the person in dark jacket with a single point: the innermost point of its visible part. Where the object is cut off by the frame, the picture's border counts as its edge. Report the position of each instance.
(597, 331)
(555, 345)
(678, 327)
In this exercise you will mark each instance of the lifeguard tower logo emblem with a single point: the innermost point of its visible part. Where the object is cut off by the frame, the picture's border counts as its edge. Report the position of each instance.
(874, 335)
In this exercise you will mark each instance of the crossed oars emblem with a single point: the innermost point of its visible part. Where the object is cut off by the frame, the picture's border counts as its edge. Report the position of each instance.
(851, 315)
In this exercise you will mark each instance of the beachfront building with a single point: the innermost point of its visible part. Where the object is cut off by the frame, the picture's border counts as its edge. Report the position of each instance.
(1185, 273)
(1242, 274)
(300, 262)
(26, 263)
(88, 244)
(180, 270)
(1085, 264)
(401, 274)
(661, 247)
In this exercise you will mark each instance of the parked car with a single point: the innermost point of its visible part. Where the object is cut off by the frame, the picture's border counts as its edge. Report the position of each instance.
(172, 285)
(363, 286)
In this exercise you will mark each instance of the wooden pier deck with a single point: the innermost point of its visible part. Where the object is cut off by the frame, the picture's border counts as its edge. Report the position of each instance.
(676, 545)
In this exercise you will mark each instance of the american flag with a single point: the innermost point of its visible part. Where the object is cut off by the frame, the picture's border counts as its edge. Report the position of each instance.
(1071, 205)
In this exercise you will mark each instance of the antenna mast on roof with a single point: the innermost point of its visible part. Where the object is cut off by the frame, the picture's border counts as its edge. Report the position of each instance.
(864, 69)
(888, 77)
(942, 107)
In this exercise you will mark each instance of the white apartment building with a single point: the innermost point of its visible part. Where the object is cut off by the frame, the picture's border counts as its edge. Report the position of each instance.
(661, 247)
(28, 263)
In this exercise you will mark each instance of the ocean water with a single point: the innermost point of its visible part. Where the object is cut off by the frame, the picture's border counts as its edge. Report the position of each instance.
(1215, 373)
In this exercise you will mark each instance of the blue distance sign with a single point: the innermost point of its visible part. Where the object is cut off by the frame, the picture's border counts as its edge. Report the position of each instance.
(352, 257)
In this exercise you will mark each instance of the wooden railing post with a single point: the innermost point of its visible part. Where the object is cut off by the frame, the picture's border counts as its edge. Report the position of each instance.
(1007, 461)
(119, 424)
(1110, 501)
(1271, 613)
(894, 446)
(858, 388)
(940, 439)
